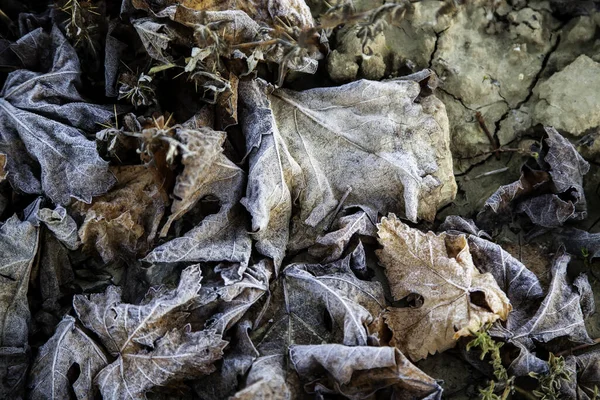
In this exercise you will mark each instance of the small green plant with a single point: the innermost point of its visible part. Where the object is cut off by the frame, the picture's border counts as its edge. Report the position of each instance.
(487, 345)
(550, 383)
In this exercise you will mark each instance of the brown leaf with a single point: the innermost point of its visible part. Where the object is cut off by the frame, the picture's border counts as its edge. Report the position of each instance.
(123, 222)
(456, 297)
(358, 372)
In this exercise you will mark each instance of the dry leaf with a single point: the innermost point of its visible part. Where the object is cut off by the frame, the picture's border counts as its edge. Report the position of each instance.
(69, 347)
(41, 114)
(152, 344)
(203, 164)
(123, 222)
(311, 146)
(561, 313)
(457, 299)
(359, 372)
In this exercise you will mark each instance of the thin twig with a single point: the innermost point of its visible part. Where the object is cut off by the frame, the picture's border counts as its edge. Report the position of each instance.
(488, 133)
(577, 348)
(498, 150)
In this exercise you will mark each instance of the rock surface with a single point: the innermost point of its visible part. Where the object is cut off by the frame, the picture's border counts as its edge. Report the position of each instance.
(569, 99)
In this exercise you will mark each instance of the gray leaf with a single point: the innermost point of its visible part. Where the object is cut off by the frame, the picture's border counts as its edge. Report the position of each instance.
(559, 315)
(124, 327)
(179, 354)
(358, 372)
(579, 242)
(62, 225)
(18, 247)
(371, 136)
(520, 284)
(14, 363)
(567, 167)
(330, 246)
(40, 117)
(68, 346)
(349, 302)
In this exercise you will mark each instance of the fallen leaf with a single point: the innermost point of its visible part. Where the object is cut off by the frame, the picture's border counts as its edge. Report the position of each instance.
(61, 224)
(18, 245)
(560, 314)
(579, 243)
(123, 222)
(237, 360)
(41, 114)
(203, 165)
(457, 299)
(331, 246)
(550, 195)
(320, 140)
(521, 286)
(125, 327)
(266, 380)
(68, 348)
(153, 345)
(178, 355)
(315, 292)
(358, 372)
(588, 375)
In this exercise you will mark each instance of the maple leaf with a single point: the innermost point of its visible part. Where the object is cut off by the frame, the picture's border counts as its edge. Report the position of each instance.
(357, 372)
(309, 147)
(69, 346)
(41, 118)
(123, 222)
(457, 298)
(153, 345)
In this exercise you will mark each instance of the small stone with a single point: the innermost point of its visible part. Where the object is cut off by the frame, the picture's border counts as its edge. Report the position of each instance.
(569, 100)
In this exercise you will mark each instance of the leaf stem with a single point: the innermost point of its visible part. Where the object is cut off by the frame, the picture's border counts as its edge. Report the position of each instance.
(525, 393)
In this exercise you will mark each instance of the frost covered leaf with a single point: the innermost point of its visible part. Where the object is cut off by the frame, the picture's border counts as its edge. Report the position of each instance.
(152, 344)
(567, 168)
(155, 37)
(370, 136)
(219, 237)
(314, 291)
(499, 205)
(41, 114)
(127, 327)
(177, 356)
(232, 301)
(549, 196)
(588, 375)
(203, 165)
(521, 286)
(69, 347)
(358, 372)
(61, 225)
(580, 243)
(331, 245)
(123, 222)
(561, 313)
(14, 363)
(237, 360)
(273, 173)
(266, 380)
(456, 297)
(18, 247)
